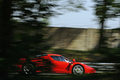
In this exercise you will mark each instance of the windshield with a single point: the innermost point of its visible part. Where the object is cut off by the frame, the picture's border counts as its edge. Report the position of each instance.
(66, 59)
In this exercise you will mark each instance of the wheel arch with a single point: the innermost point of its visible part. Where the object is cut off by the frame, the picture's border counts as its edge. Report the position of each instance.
(34, 64)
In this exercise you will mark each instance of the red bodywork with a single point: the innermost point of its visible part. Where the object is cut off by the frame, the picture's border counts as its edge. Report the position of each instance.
(46, 63)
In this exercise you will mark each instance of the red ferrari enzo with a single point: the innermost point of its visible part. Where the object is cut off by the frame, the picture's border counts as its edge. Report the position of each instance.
(52, 63)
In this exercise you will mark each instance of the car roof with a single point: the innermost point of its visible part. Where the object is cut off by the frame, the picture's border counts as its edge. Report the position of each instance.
(48, 55)
(54, 55)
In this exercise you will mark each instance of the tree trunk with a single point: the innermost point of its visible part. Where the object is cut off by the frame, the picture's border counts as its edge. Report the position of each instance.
(101, 35)
(5, 34)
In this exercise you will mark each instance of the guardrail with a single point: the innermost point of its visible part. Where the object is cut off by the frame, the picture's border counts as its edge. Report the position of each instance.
(103, 67)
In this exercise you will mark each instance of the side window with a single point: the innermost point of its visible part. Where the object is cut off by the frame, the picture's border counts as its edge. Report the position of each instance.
(58, 58)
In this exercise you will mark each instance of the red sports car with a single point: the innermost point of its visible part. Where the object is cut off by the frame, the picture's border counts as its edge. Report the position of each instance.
(52, 63)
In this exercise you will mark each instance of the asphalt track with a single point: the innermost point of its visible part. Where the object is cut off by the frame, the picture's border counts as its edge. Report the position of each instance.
(39, 74)
(52, 76)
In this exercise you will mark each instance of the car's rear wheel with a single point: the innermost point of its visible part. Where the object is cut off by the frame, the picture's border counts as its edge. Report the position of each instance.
(28, 69)
(78, 70)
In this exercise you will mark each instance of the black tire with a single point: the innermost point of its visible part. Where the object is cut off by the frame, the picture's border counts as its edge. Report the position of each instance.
(28, 69)
(77, 70)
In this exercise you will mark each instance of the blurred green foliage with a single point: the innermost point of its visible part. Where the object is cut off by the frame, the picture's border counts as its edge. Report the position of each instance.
(21, 33)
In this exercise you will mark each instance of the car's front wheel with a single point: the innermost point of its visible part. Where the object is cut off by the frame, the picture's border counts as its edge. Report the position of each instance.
(78, 70)
(28, 69)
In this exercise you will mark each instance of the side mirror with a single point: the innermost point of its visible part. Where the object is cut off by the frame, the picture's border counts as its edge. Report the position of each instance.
(73, 60)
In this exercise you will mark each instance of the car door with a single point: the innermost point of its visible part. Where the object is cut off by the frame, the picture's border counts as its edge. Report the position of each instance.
(60, 65)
